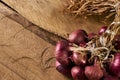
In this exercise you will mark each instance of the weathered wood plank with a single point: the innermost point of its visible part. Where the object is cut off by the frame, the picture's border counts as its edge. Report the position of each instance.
(49, 14)
(20, 49)
(20, 52)
(42, 33)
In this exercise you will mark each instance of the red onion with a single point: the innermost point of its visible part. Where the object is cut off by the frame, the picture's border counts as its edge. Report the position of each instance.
(63, 57)
(117, 37)
(63, 70)
(91, 35)
(78, 36)
(102, 30)
(94, 72)
(78, 73)
(82, 44)
(62, 45)
(109, 77)
(79, 59)
(115, 65)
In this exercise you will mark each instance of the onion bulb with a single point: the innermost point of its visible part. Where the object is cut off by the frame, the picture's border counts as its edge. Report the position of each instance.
(78, 36)
(78, 73)
(62, 45)
(115, 65)
(102, 30)
(63, 57)
(79, 59)
(63, 70)
(94, 72)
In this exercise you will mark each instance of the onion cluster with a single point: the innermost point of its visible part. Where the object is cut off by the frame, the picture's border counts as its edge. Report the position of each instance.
(80, 59)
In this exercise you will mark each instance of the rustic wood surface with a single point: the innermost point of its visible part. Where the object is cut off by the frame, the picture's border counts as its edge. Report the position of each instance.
(20, 54)
(20, 51)
(50, 15)
(21, 48)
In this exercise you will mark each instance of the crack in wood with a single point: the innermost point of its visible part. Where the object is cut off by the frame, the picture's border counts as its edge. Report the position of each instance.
(48, 36)
(7, 5)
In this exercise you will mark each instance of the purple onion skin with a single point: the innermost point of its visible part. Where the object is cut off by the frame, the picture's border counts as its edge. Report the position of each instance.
(109, 77)
(78, 73)
(93, 73)
(66, 71)
(102, 30)
(62, 45)
(115, 65)
(83, 44)
(63, 57)
(78, 36)
(62, 53)
(79, 59)
(91, 36)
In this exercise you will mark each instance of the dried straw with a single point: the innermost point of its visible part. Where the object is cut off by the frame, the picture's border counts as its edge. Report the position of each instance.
(113, 29)
(100, 46)
(92, 7)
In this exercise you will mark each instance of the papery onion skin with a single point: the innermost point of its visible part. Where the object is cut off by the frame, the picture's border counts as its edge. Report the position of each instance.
(115, 65)
(79, 59)
(91, 36)
(93, 72)
(66, 71)
(78, 36)
(102, 30)
(78, 73)
(62, 45)
(109, 77)
(63, 57)
(83, 44)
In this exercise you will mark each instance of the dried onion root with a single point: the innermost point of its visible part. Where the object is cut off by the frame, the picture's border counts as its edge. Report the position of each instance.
(92, 7)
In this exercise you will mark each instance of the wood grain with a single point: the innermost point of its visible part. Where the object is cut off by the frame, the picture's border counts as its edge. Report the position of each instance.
(50, 15)
(20, 52)
(48, 36)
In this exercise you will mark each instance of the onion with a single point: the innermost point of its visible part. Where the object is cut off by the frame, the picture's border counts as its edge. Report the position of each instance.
(91, 35)
(63, 57)
(117, 37)
(83, 44)
(62, 45)
(66, 71)
(78, 73)
(94, 72)
(79, 59)
(109, 77)
(78, 36)
(102, 30)
(115, 65)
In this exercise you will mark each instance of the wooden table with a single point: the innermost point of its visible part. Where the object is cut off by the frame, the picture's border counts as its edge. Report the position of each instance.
(22, 43)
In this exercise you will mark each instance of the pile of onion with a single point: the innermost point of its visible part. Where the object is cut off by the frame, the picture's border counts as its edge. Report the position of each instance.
(83, 57)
